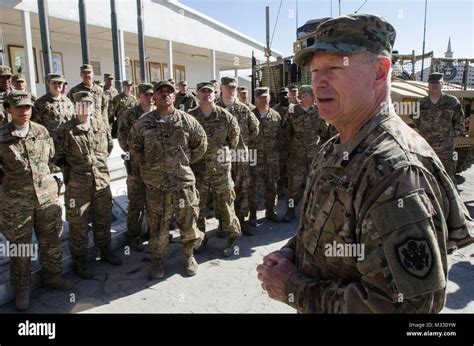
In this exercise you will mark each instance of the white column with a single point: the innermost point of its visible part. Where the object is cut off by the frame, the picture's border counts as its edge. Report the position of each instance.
(121, 55)
(170, 60)
(213, 64)
(28, 51)
(236, 73)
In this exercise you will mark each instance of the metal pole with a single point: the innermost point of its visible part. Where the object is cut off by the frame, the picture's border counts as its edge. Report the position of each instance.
(83, 26)
(45, 38)
(141, 41)
(115, 46)
(296, 19)
(254, 62)
(339, 7)
(424, 36)
(267, 49)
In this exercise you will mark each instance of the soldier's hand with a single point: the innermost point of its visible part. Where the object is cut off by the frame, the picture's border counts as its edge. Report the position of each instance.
(285, 252)
(274, 277)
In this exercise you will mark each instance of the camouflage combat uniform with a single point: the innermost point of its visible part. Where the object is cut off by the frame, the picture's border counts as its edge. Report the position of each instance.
(118, 104)
(4, 116)
(165, 151)
(267, 146)
(439, 123)
(99, 99)
(82, 152)
(185, 102)
(53, 112)
(29, 196)
(241, 170)
(135, 185)
(213, 171)
(283, 148)
(110, 93)
(304, 131)
(386, 190)
(248, 104)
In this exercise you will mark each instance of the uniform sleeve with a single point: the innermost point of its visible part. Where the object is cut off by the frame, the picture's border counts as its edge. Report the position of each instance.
(111, 110)
(458, 119)
(253, 124)
(234, 132)
(36, 113)
(402, 231)
(135, 142)
(59, 140)
(123, 131)
(197, 140)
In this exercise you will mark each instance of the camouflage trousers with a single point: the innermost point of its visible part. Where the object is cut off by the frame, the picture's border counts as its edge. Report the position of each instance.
(136, 205)
(446, 155)
(20, 217)
(268, 172)
(297, 170)
(283, 178)
(160, 206)
(84, 205)
(241, 177)
(221, 186)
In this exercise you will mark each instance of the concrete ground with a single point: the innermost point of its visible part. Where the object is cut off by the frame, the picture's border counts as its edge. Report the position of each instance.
(222, 284)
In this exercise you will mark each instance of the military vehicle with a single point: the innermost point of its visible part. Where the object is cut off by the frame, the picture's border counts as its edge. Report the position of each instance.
(405, 89)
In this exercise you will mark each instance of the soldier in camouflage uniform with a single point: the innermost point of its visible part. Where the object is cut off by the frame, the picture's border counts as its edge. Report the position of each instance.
(20, 84)
(53, 109)
(243, 93)
(83, 145)
(121, 102)
(441, 119)
(109, 90)
(29, 196)
(5, 88)
(267, 147)
(282, 108)
(293, 95)
(304, 131)
(376, 193)
(184, 101)
(135, 185)
(87, 84)
(248, 131)
(213, 170)
(166, 142)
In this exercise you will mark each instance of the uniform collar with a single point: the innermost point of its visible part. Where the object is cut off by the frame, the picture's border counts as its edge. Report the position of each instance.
(32, 133)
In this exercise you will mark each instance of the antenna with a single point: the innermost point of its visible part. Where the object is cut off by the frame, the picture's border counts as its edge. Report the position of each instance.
(360, 6)
(424, 36)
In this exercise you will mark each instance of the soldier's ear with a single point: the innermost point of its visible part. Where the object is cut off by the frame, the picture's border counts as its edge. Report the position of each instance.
(383, 67)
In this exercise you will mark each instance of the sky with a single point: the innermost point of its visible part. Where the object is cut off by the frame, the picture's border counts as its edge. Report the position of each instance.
(448, 18)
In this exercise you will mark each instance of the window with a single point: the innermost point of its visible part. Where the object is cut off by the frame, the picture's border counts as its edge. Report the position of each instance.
(96, 65)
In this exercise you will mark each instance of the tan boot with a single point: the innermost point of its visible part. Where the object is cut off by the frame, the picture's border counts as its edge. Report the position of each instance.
(191, 266)
(229, 249)
(22, 301)
(81, 268)
(157, 270)
(203, 245)
(56, 282)
(108, 256)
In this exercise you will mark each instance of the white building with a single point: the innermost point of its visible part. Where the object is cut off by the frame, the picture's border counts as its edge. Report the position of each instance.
(197, 46)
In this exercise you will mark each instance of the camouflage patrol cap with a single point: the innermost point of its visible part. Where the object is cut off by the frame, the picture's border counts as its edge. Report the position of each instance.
(154, 82)
(19, 77)
(183, 82)
(242, 89)
(145, 88)
(127, 82)
(83, 96)
(435, 77)
(283, 90)
(18, 98)
(163, 83)
(294, 88)
(306, 89)
(171, 80)
(52, 77)
(229, 81)
(108, 76)
(263, 91)
(99, 83)
(87, 68)
(351, 34)
(205, 85)
(5, 71)
(213, 81)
